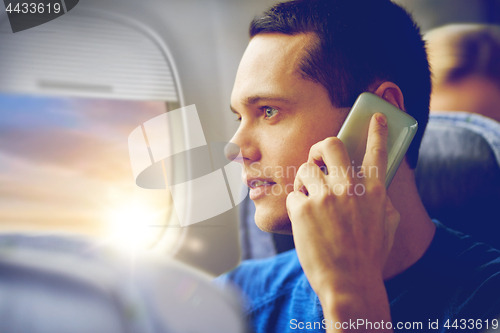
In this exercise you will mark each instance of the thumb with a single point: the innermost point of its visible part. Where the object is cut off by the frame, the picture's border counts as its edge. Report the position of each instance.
(392, 216)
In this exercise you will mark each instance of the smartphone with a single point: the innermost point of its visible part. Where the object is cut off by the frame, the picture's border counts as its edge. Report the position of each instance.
(354, 132)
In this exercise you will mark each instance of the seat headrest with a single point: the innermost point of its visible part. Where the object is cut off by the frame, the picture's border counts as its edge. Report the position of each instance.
(458, 173)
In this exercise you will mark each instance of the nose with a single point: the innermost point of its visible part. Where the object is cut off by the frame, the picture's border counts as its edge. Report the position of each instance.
(232, 152)
(243, 147)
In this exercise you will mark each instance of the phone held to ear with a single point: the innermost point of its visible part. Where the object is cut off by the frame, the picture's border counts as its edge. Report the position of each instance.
(354, 132)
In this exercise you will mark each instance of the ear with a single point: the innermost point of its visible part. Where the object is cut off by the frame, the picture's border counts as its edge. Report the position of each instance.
(391, 93)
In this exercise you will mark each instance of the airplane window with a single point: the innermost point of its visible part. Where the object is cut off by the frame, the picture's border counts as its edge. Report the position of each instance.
(71, 92)
(65, 165)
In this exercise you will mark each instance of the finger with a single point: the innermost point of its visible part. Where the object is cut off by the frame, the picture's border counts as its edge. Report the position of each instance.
(294, 201)
(331, 153)
(392, 218)
(376, 147)
(392, 215)
(309, 176)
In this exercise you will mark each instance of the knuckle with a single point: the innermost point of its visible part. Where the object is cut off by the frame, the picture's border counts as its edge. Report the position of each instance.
(296, 183)
(303, 170)
(316, 146)
(302, 167)
(377, 188)
(290, 200)
(333, 142)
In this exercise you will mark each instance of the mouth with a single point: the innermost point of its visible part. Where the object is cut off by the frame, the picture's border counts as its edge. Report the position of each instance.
(258, 183)
(254, 183)
(259, 188)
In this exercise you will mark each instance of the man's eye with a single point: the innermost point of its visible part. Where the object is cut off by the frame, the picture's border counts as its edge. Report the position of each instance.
(270, 112)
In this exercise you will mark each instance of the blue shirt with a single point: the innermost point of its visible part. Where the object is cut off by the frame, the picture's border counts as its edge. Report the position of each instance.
(456, 279)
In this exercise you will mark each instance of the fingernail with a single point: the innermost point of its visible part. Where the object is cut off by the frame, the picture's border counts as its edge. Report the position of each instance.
(382, 120)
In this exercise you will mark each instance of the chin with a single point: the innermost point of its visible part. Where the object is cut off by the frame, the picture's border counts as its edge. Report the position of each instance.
(273, 220)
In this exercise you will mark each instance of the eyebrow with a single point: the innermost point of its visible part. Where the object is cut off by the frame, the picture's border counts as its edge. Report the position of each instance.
(264, 98)
(271, 98)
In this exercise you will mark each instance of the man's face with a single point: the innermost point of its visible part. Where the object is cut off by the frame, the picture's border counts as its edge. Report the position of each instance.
(282, 116)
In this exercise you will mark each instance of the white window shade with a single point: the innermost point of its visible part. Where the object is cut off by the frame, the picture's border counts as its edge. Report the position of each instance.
(87, 54)
(119, 67)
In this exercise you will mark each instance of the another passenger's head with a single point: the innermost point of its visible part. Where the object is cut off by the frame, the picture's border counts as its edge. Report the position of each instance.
(465, 61)
(305, 65)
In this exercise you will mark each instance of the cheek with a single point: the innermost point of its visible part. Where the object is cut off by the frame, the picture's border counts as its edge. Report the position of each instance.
(288, 148)
(295, 152)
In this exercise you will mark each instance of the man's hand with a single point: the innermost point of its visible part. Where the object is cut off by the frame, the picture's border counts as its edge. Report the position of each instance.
(344, 226)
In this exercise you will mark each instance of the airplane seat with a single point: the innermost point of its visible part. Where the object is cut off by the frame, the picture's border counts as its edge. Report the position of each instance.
(56, 283)
(458, 178)
(458, 173)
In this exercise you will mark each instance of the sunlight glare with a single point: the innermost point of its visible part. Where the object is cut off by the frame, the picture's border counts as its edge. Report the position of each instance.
(133, 226)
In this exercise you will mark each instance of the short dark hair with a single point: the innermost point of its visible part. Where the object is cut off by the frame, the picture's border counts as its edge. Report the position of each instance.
(360, 43)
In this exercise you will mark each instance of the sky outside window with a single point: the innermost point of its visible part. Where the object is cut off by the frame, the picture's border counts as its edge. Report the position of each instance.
(65, 166)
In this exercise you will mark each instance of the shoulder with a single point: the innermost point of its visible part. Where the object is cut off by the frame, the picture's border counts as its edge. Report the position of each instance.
(473, 268)
(479, 268)
(456, 259)
(463, 253)
(457, 278)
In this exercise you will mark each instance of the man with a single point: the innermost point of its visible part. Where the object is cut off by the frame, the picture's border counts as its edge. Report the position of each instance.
(365, 260)
(465, 60)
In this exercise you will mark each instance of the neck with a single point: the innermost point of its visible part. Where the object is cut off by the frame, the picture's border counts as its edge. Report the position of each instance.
(415, 231)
